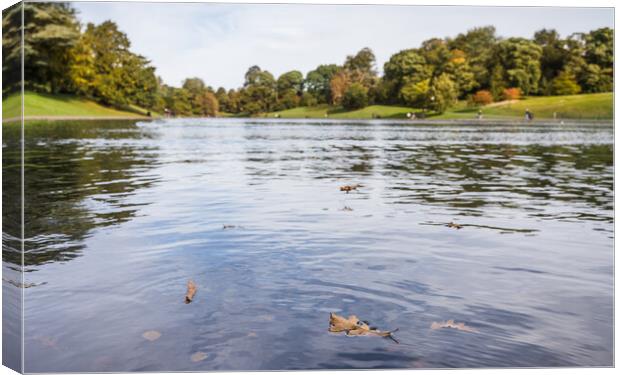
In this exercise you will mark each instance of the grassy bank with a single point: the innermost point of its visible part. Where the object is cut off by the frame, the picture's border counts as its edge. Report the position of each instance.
(37, 104)
(320, 111)
(585, 106)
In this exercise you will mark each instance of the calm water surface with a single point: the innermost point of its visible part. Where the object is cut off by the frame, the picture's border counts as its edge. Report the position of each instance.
(120, 215)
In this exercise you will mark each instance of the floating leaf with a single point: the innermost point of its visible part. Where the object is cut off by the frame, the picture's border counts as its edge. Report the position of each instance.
(347, 208)
(451, 324)
(191, 290)
(151, 335)
(199, 356)
(352, 326)
(252, 334)
(454, 225)
(348, 188)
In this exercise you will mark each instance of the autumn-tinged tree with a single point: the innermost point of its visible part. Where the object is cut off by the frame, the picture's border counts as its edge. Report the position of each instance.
(339, 84)
(482, 97)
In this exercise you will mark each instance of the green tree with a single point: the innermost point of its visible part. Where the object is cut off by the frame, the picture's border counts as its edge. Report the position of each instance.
(259, 91)
(51, 30)
(317, 82)
(553, 58)
(593, 78)
(460, 72)
(416, 94)
(565, 84)
(292, 80)
(11, 48)
(520, 61)
(478, 44)
(599, 47)
(289, 89)
(443, 93)
(223, 100)
(355, 97)
(405, 67)
(308, 100)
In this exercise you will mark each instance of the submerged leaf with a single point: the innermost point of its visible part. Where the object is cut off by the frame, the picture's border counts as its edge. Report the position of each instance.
(352, 326)
(451, 324)
(151, 335)
(191, 290)
(199, 356)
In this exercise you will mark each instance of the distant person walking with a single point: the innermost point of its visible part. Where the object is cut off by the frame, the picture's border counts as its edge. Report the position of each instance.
(479, 114)
(528, 115)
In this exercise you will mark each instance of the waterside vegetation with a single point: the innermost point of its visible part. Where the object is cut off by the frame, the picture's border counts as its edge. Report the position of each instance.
(90, 70)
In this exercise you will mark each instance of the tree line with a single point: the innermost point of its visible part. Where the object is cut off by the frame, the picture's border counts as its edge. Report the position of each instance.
(96, 61)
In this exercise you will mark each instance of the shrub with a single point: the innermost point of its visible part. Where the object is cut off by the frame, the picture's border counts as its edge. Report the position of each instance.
(482, 97)
(355, 97)
(513, 93)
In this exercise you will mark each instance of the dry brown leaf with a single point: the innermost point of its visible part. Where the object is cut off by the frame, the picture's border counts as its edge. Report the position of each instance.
(191, 290)
(151, 335)
(451, 324)
(352, 326)
(348, 188)
(199, 356)
(454, 225)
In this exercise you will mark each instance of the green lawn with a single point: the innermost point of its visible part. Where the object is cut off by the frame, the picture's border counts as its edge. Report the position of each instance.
(37, 104)
(584, 106)
(319, 111)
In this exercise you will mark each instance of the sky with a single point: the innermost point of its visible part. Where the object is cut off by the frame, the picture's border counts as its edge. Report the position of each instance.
(219, 42)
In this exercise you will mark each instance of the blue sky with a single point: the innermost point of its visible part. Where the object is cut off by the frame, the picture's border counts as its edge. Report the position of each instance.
(218, 42)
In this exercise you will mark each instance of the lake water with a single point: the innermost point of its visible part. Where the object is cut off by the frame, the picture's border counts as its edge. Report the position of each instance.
(120, 215)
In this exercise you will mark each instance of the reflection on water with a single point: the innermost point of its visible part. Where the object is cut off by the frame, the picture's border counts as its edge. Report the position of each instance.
(120, 215)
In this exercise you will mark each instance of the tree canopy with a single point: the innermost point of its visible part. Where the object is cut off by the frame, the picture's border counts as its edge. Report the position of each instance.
(61, 55)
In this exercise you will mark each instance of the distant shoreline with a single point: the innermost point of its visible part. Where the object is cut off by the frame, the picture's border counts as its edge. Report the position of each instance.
(473, 121)
(75, 118)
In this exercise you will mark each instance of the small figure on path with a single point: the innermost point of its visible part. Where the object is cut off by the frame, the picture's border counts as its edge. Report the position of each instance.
(479, 114)
(528, 115)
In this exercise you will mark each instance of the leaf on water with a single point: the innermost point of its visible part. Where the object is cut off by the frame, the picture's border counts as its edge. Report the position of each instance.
(151, 335)
(451, 324)
(352, 326)
(199, 356)
(230, 226)
(348, 188)
(252, 334)
(454, 225)
(347, 208)
(191, 290)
